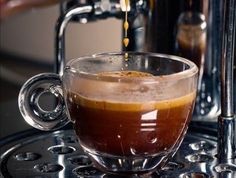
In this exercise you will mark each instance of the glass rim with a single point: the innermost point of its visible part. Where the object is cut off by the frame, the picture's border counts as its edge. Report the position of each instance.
(191, 71)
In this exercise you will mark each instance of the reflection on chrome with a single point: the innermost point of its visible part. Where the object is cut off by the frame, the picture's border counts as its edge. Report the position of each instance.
(61, 161)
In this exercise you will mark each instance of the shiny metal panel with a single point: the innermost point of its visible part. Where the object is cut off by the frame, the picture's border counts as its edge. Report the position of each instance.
(227, 120)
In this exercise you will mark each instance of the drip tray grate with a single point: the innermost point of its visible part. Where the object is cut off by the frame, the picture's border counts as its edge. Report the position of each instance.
(58, 154)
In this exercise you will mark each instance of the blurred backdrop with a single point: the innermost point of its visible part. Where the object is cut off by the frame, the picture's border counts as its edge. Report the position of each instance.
(27, 48)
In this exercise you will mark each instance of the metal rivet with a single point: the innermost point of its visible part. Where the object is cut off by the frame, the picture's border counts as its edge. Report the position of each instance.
(202, 145)
(61, 149)
(27, 156)
(48, 167)
(199, 158)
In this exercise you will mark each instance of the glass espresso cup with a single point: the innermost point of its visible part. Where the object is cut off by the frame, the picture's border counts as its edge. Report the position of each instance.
(130, 115)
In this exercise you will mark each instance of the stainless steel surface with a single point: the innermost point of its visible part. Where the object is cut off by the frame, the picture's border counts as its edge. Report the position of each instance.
(227, 120)
(60, 35)
(210, 91)
(227, 58)
(58, 154)
(226, 137)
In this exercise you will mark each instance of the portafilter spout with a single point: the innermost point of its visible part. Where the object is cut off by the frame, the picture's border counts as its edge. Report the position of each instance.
(227, 119)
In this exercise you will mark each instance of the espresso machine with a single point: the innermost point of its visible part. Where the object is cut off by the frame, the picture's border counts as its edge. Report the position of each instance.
(203, 31)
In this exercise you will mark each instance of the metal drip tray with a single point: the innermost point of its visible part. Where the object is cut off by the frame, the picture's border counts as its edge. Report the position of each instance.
(58, 154)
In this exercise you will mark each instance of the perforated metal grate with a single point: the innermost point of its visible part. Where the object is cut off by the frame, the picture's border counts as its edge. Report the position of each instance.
(58, 154)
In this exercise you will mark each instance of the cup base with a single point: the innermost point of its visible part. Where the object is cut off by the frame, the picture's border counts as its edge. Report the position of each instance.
(128, 165)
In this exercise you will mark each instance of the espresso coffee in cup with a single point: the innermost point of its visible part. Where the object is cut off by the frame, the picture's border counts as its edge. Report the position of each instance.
(130, 116)
(124, 127)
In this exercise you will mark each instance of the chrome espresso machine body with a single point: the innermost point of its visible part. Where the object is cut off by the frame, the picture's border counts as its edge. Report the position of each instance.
(203, 31)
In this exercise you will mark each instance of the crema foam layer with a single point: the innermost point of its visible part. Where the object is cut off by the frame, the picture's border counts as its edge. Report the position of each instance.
(130, 95)
(125, 74)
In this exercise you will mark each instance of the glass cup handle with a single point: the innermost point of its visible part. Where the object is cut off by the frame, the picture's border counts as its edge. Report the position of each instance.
(28, 101)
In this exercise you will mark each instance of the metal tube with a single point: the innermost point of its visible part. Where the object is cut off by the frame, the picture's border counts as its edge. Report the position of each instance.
(60, 35)
(227, 120)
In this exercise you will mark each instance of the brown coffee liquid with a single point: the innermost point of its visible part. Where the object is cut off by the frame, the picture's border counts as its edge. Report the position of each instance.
(130, 128)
